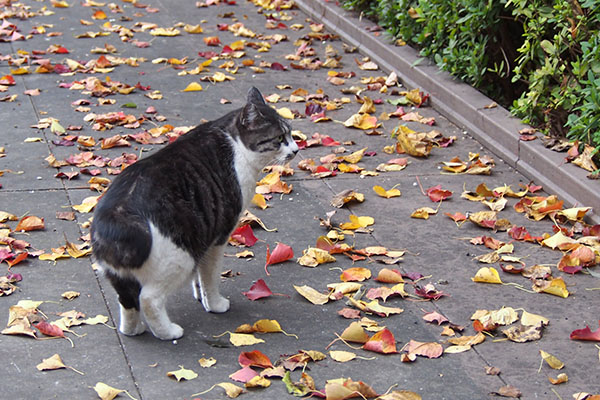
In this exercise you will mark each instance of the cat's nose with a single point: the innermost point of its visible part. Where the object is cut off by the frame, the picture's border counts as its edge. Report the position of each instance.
(294, 147)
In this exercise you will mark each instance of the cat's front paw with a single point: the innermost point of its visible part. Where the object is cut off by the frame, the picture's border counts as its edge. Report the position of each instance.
(217, 304)
(171, 332)
(132, 329)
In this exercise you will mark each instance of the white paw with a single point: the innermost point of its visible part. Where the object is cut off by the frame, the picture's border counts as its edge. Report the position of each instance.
(132, 329)
(217, 304)
(172, 331)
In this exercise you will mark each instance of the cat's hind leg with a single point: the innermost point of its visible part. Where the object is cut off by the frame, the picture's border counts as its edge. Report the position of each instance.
(206, 284)
(128, 290)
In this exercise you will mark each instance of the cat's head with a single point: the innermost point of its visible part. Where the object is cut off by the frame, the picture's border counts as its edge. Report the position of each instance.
(263, 130)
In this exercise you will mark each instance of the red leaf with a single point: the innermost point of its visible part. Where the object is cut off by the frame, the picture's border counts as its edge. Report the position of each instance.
(586, 334)
(258, 291)
(437, 194)
(244, 375)
(281, 253)
(244, 235)
(49, 329)
(7, 80)
(278, 67)
(329, 141)
(254, 359)
(381, 342)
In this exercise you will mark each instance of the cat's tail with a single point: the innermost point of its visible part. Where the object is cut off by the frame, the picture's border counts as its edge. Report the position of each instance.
(122, 242)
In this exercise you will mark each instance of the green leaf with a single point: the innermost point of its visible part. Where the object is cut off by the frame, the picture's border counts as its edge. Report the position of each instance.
(129, 105)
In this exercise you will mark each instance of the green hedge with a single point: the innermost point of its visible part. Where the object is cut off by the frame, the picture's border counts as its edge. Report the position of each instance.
(539, 57)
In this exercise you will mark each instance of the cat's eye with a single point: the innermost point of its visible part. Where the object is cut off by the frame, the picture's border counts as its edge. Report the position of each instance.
(281, 138)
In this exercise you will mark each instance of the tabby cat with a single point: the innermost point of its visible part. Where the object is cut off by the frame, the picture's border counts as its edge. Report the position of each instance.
(166, 219)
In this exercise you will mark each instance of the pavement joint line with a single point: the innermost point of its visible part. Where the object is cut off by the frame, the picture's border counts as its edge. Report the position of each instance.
(463, 105)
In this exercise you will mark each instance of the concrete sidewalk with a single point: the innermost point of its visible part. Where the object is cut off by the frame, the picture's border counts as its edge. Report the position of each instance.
(435, 248)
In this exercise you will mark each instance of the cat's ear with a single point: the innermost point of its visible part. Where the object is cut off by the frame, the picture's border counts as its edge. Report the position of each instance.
(250, 116)
(255, 97)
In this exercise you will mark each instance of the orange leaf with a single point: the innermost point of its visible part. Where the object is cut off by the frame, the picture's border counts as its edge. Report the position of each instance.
(355, 274)
(381, 342)
(30, 223)
(254, 358)
(212, 41)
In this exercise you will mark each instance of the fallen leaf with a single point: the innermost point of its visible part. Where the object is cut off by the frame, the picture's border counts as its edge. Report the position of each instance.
(30, 223)
(386, 193)
(561, 378)
(51, 363)
(508, 391)
(381, 342)
(258, 290)
(355, 274)
(342, 356)
(106, 392)
(522, 334)
(428, 349)
(254, 358)
(586, 334)
(551, 360)
(487, 275)
(312, 295)
(207, 362)
(281, 253)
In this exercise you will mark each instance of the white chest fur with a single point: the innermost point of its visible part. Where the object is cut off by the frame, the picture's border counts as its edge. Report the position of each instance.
(248, 165)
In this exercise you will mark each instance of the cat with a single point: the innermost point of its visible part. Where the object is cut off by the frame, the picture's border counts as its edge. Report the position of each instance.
(165, 220)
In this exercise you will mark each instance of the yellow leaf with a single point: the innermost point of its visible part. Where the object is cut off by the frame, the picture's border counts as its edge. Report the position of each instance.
(386, 193)
(193, 87)
(559, 240)
(244, 339)
(258, 381)
(259, 201)
(487, 275)
(192, 28)
(87, 205)
(354, 157)
(98, 319)
(361, 121)
(551, 360)
(557, 287)
(33, 139)
(314, 256)
(70, 295)
(51, 363)
(106, 392)
(423, 213)
(342, 356)
(457, 349)
(529, 319)
(207, 362)
(312, 295)
(286, 113)
(267, 326)
(355, 333)
(165, 32)
(182, 373)
(232, 391)
(357, 222)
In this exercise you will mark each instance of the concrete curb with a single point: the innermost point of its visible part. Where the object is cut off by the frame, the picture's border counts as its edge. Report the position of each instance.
(463, 105)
